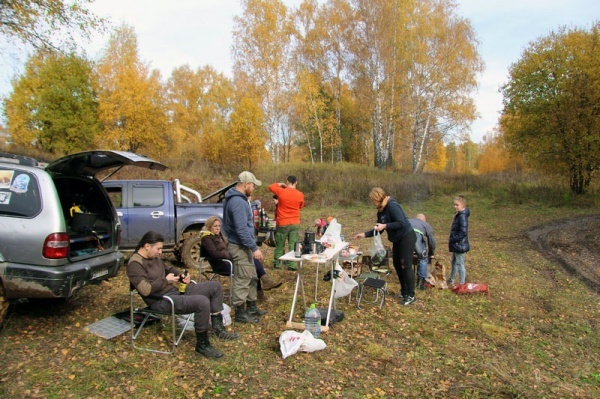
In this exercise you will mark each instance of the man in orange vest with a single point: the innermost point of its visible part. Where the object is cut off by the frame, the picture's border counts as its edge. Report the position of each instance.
(290, 201)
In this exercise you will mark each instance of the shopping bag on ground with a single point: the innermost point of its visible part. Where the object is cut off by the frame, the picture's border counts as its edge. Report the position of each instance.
(470, 288)
(290, 342)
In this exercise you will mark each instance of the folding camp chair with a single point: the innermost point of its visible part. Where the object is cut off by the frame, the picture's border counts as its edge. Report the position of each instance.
(141, 317)
(209, 274)
(374, 279)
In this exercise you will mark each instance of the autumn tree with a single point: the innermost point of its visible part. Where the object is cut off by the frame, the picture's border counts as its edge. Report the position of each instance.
(53, 106)
(551, 111)
(495, 157)
(246, 134)
(131, 101)
(440, 77)
(261, 57)
(43, 23)
(199, 103)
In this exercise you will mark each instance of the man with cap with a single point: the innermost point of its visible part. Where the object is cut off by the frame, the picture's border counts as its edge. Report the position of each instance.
(238, 227)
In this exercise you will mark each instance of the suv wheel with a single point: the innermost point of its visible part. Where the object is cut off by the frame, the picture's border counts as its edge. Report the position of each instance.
(190, 252)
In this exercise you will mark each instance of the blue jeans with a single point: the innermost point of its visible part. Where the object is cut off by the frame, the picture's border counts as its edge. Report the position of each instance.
(422, 270)
(458, 265)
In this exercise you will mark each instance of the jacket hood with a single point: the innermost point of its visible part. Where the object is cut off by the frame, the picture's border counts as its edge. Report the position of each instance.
(233, 192)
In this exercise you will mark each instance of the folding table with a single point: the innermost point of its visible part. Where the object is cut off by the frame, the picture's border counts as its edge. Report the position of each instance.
(330, 255)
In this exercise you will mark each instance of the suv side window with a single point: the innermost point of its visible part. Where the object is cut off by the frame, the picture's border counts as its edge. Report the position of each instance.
(148, 196)
(19, 193)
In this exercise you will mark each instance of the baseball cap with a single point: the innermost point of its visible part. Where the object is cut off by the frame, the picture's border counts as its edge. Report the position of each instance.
(248, 177)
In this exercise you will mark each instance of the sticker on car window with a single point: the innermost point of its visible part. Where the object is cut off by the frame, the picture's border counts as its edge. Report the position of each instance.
(6, 177)
(4, 197)
(20, 184)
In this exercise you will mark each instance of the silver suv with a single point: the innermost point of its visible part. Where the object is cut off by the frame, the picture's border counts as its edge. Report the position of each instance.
(58, 229)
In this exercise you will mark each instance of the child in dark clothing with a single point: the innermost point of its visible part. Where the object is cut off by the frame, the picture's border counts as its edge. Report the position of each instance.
(458, 243)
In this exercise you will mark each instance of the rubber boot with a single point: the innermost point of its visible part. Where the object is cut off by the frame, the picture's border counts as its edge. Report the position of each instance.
(242, 315)
(267, 283)
(203, 346)
(218, 329)
(253, 310)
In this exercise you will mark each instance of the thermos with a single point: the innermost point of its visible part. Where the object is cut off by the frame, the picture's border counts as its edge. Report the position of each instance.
(298, 249)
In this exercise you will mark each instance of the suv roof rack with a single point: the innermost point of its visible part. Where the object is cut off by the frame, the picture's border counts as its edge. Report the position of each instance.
(18, 159)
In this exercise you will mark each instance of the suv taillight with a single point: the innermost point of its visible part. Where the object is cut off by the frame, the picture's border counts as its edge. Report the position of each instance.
(56, 246)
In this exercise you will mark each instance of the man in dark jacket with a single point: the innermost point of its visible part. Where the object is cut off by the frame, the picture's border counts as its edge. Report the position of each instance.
(153, 278)
(238, 227)
(423, 228)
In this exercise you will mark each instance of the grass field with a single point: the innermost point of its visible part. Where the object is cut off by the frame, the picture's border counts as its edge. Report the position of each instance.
(535, 335)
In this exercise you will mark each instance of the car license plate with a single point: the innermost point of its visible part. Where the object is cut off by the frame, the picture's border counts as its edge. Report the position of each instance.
(99, 273)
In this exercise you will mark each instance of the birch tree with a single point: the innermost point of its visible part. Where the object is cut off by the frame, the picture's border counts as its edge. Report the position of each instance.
(261, 58)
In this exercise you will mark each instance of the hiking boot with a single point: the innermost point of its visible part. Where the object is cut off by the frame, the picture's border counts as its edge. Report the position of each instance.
(253, 310)
(242, 315)
(218, 329)
(203, 346)
(267, 283)
(409, 300)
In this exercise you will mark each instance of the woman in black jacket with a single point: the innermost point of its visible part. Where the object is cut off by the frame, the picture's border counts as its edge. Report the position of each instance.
(391, 218)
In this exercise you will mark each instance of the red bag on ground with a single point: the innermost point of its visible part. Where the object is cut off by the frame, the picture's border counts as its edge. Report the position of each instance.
(470, 288)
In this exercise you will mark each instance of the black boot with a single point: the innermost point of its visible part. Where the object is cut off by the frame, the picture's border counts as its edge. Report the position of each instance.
(218, 329)
(203, 346)
(242, 315)
(253, 310)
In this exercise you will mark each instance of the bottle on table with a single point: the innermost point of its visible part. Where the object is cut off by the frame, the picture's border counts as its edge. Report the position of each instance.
(182, 285)
(312, 320)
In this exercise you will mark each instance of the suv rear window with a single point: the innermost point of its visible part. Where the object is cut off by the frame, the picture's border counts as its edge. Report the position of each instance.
(19, 193)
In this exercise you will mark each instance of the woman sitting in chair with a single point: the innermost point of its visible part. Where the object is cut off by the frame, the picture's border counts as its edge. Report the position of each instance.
(214, 248)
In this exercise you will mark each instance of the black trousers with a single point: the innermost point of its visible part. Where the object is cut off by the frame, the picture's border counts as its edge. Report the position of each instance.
(402, 254)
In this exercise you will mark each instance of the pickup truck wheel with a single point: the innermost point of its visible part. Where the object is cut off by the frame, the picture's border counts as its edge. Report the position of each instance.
(3, 304)
(190, 252)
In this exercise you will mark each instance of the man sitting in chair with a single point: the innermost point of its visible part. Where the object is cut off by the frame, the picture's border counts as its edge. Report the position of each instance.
(152, 277)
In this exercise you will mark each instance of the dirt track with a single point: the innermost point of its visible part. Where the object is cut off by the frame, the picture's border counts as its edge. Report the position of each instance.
(574, 244)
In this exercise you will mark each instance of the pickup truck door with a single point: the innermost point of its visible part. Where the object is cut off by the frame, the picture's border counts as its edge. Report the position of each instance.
(151, 207)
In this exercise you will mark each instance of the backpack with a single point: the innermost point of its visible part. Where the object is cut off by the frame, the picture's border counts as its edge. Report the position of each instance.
(421, 245)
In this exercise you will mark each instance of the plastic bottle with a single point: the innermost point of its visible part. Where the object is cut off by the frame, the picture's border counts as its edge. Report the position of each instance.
(312, 320)
(182, 286)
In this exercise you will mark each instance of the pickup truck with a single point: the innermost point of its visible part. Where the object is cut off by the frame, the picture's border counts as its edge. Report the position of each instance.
(174, 210)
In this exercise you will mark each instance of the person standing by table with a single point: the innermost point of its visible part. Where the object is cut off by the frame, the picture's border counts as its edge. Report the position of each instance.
(238, 227)
(289, 202)
(391, 218)
(420, 223)
(458, 242)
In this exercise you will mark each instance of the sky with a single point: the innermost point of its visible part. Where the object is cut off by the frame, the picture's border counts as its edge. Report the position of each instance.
(199, 32)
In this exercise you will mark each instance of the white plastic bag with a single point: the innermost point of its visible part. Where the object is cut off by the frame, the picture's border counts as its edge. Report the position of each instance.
(290, 342)
(377, 251)
(333, 233)
(190, 325)
(226, 312)
(344, 284)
